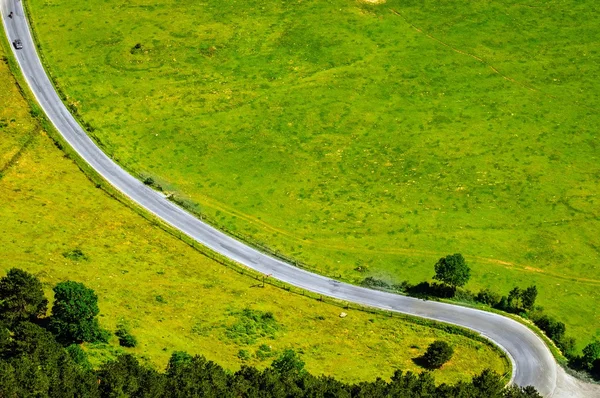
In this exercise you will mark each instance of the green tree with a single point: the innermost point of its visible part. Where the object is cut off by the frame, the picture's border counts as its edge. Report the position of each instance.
(591, 352)
(452, 270)
(596, 368)
(43, 368)
(9, 387)
(488, 384)
(514, 299)
(125, 377)
(438, 353)
(21, 297)
(486, 296)
(528, 297)
(74, 314)
(553, 328)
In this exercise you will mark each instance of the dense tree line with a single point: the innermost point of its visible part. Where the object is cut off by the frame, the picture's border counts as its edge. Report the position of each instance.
(40, 357)
(33, 363)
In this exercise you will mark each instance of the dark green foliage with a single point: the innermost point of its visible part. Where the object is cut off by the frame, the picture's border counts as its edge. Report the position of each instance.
(149, 181)
(553, 328)
(426, 290)
(125, 338)
(596, 369)
(197, 377)
(78, 356)
(438, 353)
(138, 48)
(514, 298)
(591, 353)
(488, 384)
(125, 377)
(37, 365)
(568, 346)
(452, 270)
(528, 297)
(33, 363)
(75, 255)
(74, 314)
(21, 297)
(520, 299)
(503, 304)
(486, 296)
(521, 392)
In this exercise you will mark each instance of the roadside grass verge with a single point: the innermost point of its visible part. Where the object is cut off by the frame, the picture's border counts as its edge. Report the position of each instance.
(58, 224)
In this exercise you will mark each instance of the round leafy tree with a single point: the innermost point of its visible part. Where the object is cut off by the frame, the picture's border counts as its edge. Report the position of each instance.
(21, 297)
(591, 353)
(438, 353)
(74, 313)
(452, 270)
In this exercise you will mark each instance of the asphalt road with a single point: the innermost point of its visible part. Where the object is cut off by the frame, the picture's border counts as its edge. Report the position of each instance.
(533, 363)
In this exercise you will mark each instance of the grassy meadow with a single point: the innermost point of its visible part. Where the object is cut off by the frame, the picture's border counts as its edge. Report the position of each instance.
(361, 139)
(55, 223)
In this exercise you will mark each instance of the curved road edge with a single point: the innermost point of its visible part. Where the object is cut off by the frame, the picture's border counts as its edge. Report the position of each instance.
(533, 363)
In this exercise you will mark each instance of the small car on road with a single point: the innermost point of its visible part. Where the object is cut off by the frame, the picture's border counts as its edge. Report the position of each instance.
(18, 44)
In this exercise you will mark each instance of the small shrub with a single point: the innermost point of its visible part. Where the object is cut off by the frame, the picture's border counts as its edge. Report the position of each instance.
(402, 287)
(138, 48)
(125, 338)
(426, 289)
(244, 355)
(149, 181)
(465, 296)
(264, 352)
(488, 297)
(438, 353)
(251, 325)
(75, 255)
(374, 283)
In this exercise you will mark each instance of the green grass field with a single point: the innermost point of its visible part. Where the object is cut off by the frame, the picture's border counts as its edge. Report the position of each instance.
(169, 295)
(353, 136)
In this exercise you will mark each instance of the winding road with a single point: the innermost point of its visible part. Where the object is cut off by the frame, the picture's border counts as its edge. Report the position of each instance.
(533, 364)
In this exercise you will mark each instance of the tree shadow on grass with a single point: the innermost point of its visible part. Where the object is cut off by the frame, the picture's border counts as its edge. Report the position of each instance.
(422, 362)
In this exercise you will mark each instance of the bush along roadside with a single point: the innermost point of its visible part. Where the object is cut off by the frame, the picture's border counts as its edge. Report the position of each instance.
(453, 273)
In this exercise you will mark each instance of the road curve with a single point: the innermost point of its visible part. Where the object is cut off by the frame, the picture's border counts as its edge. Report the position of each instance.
(533, 363)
